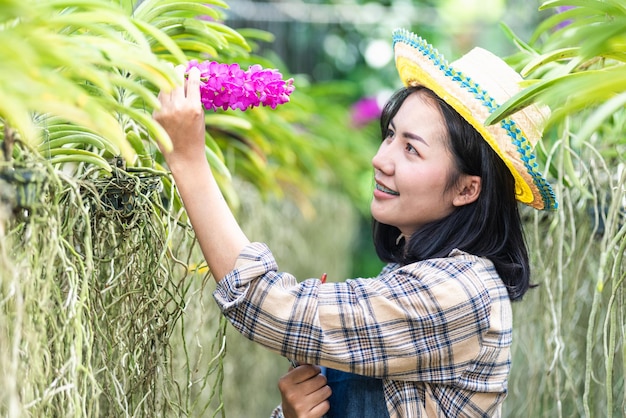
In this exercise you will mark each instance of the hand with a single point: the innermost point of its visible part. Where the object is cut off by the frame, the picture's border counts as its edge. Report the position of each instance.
(182, 116)
(304, 392)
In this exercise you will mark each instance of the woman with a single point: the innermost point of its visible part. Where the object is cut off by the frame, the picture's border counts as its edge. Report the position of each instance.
(430, 336)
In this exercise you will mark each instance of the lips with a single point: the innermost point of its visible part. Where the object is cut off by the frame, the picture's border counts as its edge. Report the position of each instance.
(387, 190)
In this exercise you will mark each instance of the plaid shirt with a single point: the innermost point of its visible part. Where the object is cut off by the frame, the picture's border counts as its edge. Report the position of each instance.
(437, 332)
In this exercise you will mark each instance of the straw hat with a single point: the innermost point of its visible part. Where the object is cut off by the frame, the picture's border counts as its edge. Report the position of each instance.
(475, 85)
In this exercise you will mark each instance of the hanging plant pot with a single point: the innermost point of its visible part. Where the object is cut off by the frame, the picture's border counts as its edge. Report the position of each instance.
(25, 187)
(123, 195)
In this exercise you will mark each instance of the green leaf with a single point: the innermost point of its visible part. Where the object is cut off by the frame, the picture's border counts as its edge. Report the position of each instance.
(549, 57)
(189, 45)
(161, 38)
(227, 121)
(508, 32)
(584, 84)
(182, 28)
(599, 6)
(194, 9)
(577, 17)
(135, 141)
(217, 163)
(76, 139)
(79, 157)
(604, 112)
(81, 4)
(211, 143)
(230, 34)
(130, 87)
(258, 34)
(147, 5)
(101, 23)
(153, 128)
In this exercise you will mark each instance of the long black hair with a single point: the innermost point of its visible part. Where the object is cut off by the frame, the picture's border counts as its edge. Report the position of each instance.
(488, 227)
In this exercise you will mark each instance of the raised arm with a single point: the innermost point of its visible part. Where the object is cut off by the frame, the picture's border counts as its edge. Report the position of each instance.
(181, 114)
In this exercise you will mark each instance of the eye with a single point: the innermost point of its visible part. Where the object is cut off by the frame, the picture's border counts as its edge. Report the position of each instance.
(411, 149)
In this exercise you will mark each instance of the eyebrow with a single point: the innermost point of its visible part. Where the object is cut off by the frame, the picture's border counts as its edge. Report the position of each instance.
(410, 135)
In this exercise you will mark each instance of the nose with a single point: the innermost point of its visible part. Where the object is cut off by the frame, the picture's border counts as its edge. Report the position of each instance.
(382, 160)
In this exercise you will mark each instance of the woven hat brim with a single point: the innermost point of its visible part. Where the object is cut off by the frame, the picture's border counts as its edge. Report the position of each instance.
(513, 139)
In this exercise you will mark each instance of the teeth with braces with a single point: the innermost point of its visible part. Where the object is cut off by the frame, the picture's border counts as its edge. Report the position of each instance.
(386, 190)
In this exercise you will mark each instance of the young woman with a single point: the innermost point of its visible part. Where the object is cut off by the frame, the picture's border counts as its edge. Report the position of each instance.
(430, 336)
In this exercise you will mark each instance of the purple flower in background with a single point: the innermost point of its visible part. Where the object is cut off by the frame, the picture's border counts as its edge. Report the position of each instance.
(561, 9)
(207, 17)
(364, 111)
(228, 86)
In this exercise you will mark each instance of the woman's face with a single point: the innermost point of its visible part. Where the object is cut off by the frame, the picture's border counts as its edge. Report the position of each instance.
(412, 167)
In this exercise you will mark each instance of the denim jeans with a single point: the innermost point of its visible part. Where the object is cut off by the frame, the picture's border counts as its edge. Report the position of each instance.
(355, 396)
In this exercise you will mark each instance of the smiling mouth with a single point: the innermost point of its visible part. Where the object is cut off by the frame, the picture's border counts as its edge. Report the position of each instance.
(386, 190)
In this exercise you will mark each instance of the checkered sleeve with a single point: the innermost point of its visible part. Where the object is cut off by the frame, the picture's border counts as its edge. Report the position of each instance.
(277, 412)
(422, 322)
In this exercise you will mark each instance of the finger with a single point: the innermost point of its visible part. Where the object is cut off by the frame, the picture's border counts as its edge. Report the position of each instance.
(178, 92)
(320, 409)
(296, 377)
(318, 403)
(321, 394)
(314, 384)
(300, 374)
(306, 371)
(193, 85)
(167, 96)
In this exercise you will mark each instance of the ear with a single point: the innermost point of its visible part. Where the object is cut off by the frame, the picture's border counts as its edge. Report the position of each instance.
(467, 190)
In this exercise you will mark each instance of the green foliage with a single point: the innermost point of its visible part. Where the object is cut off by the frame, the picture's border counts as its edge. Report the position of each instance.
(72, 59)
(97, 261)
(569, 356)
(93, 287)
(581, 62)
(304, 146)
(92, 74)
